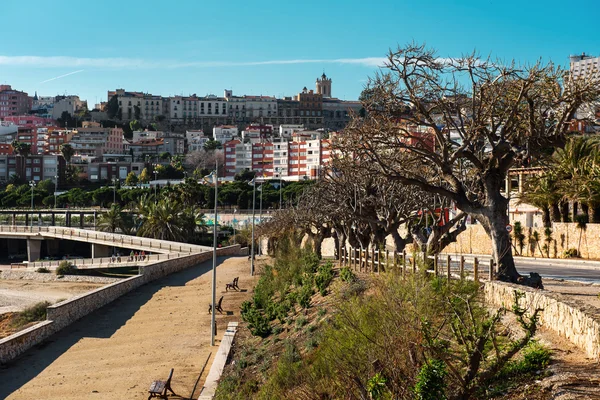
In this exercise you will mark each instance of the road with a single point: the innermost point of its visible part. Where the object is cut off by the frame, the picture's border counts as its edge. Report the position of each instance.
(576, 270)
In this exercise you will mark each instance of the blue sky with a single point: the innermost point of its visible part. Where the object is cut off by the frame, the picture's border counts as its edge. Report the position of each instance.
(264, 47)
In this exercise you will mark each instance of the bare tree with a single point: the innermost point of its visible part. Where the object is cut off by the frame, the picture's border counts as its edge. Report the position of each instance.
(454, 127)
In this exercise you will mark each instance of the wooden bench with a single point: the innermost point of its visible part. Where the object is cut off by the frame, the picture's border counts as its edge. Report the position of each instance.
(217, 307)
(233, 285)
(159, 388)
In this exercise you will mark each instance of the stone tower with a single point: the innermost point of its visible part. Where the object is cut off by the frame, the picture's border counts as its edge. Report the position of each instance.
(324, 85)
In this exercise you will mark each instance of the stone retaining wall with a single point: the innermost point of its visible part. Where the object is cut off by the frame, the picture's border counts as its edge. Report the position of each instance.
(66, 312)
(15, 275)
(575, 321)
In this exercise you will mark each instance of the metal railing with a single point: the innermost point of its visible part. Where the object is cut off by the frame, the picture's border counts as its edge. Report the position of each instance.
(103, 262)
(110, 239)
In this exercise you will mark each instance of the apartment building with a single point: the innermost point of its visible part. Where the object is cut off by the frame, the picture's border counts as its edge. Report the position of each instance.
(97, 141)
(70, 104)
(138, 105)
(278, 158)
(225, 133)
(55, 138)
(13, 102)
(195, 108)
(33, 167)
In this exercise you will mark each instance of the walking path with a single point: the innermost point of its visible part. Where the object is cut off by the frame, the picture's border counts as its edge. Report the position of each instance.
(117, 351)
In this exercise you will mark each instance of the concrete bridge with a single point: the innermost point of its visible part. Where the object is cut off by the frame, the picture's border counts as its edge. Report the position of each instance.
(101, 242)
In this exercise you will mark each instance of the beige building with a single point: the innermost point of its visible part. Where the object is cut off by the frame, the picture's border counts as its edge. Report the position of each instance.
(70, 104)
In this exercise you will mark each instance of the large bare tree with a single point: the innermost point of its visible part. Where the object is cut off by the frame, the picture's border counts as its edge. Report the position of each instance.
(454, 127)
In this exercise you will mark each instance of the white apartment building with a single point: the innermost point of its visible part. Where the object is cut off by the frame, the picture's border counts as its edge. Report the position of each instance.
(224, 133)
(586, 66)
(287, 130)
(193, 107)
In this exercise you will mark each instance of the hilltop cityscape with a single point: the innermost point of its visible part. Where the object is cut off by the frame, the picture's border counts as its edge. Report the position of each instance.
(342, 200)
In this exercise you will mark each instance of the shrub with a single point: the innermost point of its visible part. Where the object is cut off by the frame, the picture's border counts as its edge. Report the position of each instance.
(430, 381)
(347, 275)
(257, 323)
(535, 357)
(311, 262)
(300, 322)
(322, 311)
(324, 277)
(304, 296)
(66, 268)
(43, 270)
(571, 253)
(311, 344)
(37, 312)
(376, 387)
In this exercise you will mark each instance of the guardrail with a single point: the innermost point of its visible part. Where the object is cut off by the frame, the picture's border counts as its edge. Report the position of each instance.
(115, 239)
(377, 261)
(99, 262)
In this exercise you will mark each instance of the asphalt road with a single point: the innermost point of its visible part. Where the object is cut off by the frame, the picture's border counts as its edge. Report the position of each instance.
(576, 270)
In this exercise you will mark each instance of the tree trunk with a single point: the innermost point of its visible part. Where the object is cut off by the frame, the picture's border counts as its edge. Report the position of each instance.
(546, 217)
(318, 245)
(574, 211)
(554, 212)
(564, 211)
(592, 213)
(399, 241)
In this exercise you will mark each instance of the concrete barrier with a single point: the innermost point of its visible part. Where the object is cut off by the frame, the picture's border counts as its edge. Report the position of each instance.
(572, 320)
(66, 312)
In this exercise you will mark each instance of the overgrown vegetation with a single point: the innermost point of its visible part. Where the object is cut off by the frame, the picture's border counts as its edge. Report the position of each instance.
(66, 268)
(390, 337)
(37, 312)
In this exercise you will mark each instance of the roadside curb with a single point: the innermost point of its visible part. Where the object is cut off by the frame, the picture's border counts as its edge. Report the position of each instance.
(216, 369)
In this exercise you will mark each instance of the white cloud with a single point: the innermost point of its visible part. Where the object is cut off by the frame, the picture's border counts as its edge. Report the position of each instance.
(62, 76)
(126, 63)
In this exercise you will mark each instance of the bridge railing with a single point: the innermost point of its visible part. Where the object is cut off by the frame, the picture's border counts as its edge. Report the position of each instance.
(115, 239)
(99, 262)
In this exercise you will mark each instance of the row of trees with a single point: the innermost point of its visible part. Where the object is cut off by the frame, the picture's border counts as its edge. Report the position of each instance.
(448, 130)
(190, 192)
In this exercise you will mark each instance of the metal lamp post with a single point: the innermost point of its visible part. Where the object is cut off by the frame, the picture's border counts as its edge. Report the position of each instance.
(115, 180)
(155, 172)
(213, 326)
(55, 188)
(32, 184)
(260, 213)
(253, 214)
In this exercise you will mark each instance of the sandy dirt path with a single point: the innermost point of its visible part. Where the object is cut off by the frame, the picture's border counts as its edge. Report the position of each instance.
(117, 351)
(18, 295)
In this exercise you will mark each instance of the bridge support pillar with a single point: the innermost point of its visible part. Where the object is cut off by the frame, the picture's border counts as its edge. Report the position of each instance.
(100, 250)
(34, 249)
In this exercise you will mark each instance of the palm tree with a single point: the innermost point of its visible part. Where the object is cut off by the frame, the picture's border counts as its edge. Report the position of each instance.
(161, 220)
(22, 149)
(114, 219)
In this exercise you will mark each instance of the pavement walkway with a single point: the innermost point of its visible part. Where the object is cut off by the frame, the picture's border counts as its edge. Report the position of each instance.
(117, 351)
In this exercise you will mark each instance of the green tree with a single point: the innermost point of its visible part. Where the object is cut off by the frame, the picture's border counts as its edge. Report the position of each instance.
(144, 176)
(112, 107)
(137, 112)
(67, 152)
(131, 179)
(212, 145)
(135, 125)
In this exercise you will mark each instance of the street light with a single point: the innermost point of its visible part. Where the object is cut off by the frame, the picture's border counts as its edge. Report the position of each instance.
(260, 213)
(213, 325)
(55, 188)
(155, 172)
(253, 214)
(234, 222)
(115, 181)
(32, 184)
